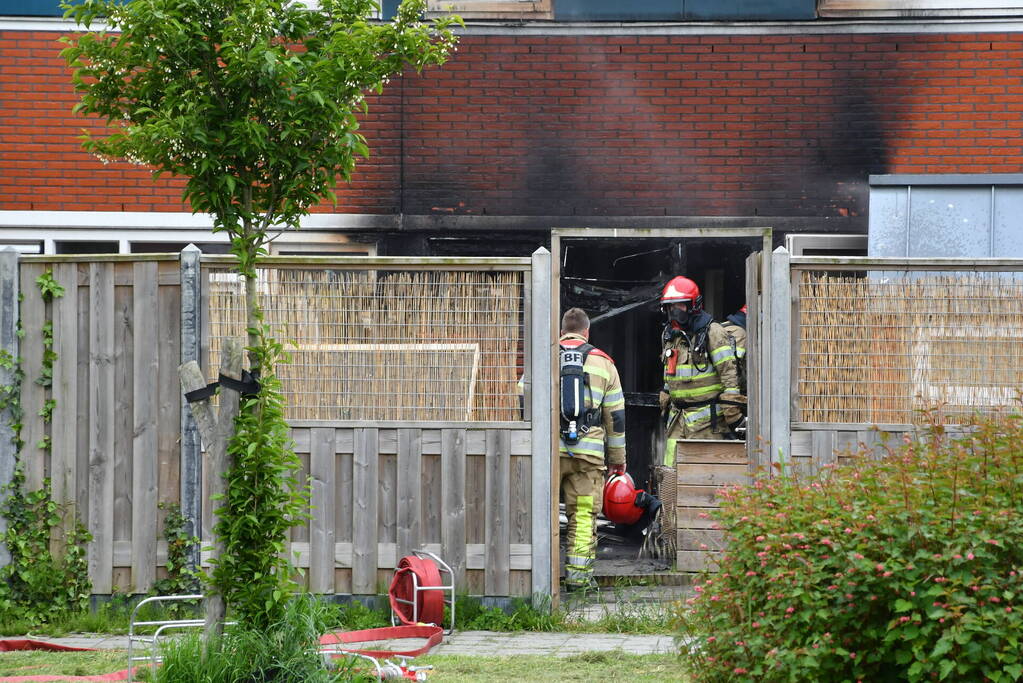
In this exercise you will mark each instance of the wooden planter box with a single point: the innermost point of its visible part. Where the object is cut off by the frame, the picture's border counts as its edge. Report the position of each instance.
(703, 467)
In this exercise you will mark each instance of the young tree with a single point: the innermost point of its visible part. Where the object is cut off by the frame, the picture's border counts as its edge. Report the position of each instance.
(255, 103)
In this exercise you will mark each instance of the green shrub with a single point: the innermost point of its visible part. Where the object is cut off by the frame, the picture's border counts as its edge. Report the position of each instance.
(905, 568)
(285, 652)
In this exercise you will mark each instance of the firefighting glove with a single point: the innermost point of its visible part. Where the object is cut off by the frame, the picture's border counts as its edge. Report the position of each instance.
(613, 470)
(664, 399)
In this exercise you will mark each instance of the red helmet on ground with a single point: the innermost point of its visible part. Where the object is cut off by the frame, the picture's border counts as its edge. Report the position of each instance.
(620, 496)
(682, 289)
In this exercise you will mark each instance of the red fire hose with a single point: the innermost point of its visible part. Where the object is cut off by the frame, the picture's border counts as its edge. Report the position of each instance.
(412, 605)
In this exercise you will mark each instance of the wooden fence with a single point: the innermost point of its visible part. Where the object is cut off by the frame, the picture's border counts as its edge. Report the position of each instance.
(118, 442)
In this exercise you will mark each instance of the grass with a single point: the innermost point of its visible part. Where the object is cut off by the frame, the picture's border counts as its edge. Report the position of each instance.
(609, 612)
(590, 666)
(35, 663)
(110, 617)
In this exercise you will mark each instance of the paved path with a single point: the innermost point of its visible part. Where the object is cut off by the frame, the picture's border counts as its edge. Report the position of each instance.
(468, 643)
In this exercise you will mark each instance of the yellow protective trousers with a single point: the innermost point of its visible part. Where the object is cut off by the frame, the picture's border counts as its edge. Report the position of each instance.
(582, 488)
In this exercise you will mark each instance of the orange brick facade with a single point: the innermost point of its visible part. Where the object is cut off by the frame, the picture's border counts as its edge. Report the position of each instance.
(640, 125)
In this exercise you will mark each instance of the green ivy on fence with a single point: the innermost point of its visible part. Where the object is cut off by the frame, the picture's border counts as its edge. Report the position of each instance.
(38, 585)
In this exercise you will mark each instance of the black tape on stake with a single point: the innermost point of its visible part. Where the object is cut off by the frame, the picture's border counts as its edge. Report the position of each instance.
(248, 385)
(202, 394)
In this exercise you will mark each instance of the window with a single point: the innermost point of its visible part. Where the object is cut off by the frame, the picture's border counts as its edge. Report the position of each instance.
(919, 8)
(492, 9)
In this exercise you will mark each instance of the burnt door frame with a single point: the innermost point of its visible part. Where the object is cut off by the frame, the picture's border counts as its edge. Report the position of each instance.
(757, 286)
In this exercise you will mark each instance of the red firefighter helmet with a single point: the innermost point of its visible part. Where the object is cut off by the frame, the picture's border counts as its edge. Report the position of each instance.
(682, 289)
(620, 498)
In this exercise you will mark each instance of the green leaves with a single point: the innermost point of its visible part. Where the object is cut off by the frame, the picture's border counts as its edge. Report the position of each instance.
(906, 568)
(259, 91)
(264, 500)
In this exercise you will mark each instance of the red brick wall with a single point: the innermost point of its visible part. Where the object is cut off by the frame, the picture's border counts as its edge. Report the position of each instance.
(633, 125)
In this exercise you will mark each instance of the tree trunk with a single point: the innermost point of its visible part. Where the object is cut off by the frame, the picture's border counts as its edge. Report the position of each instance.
(216, 431)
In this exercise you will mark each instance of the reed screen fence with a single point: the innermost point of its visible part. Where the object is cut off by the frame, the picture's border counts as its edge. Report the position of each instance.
(372, 344)
(880, 350)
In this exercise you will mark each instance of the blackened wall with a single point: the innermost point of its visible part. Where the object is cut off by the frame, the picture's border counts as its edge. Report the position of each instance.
(637, 125)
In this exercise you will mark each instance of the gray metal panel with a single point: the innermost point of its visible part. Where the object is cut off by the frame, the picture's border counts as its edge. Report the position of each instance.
(946, 179)
(887, 226)
(1007, 227)
(950, 221)
(952, 216)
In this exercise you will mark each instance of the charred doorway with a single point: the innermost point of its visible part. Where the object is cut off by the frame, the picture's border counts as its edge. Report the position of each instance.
(616, 276)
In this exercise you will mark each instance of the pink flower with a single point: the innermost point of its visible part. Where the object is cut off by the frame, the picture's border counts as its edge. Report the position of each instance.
(712, 639)
(790, 610)
(739, 670)
(751, 573)
(879, 567)
(848, 530)
(995, 599)
(1008, 609)
(969, 556)
(760, 538)
(755, 624)
(957, 557)
(903, 620)
(825, 541)
(852, 655)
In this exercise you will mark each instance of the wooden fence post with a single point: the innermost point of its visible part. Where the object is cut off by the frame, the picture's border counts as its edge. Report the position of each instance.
(540, 412)
(191, 447)
(8, 347)
(781, 359)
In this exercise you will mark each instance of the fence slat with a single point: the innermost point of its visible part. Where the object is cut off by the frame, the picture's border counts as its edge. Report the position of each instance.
(168, 391)
(123, 366)
(321, 526)
(452, 466)
(101, 422)
(144, 443)
(9, 287)
(33, 431)
(364, 512)
(496, 571)
(410, 484)
(84, 391)
(64, 428)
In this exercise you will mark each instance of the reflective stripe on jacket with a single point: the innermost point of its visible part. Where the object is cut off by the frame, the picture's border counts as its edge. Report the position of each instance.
(703, 375)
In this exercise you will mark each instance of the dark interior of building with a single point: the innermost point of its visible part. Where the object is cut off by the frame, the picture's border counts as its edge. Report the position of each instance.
(618, 282)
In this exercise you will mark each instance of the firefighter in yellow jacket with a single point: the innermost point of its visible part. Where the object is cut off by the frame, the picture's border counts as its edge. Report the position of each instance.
(701, 381)
(592, 428)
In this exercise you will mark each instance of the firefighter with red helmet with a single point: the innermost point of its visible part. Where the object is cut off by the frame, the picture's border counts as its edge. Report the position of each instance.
(596, 432)
(701, 381)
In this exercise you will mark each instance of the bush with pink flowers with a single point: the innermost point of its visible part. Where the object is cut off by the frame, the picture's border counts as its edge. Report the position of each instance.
(904, 568)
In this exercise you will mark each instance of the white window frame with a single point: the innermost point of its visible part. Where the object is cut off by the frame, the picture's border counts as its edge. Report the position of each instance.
(317, 234)
(492, 9)
(918, 8)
